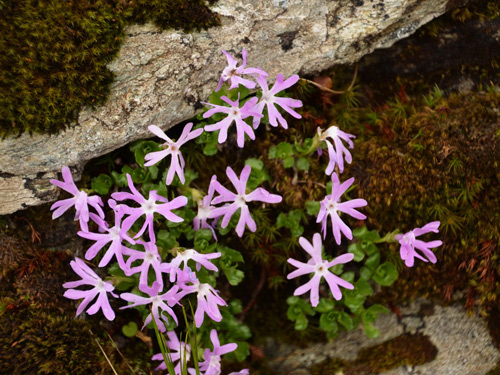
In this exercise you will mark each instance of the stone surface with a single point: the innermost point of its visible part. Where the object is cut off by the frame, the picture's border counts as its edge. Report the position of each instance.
(161, 77)
(463, 342)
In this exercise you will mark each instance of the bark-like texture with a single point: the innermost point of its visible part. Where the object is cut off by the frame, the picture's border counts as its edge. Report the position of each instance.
(161, 77)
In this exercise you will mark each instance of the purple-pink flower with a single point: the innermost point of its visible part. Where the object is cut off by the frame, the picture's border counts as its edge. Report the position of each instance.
(148, 208)
(150, 259)
(233, 72)
(207, 297)
(330, 206)
(178, 351)
(236, 114)
(204, 209)
(409, 243)
(184, 257)
(99, 290)
(80, 200)
(320, 269)
(211, 363)
(239, 200)
(173, 149)
(270, 101)
(337, 153)
(115, 235)
(158, 302)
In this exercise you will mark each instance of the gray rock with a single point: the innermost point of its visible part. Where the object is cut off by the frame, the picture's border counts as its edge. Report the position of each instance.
(463, 342)
(161, 77)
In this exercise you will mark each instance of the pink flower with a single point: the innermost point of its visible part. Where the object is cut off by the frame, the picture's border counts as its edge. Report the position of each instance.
(184, 257)
(233, 73)
(114, 235)
(337, 153)
(330, 206)
(211, 364)
(158, 301)
(150, 259)
(80, 200)
(148, 208)
(409, 243)
(177, 352)
(173, 149)
(236, 114)
(100, 288)
(270, 100)
(320, 269)
(208, 298)
(204, 209)
(239, 200)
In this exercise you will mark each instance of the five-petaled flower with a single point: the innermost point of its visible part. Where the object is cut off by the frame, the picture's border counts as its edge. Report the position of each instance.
(115, 235)
(270, 101)
(236, 114)
(100, 289)
(80, 200)
(320, 269)
(337, 153)
(158, 302)
(211, 364)
(239, 200)
(173, 149)
(233, 73)
(409, 243)
(148, 208)
(330, 206)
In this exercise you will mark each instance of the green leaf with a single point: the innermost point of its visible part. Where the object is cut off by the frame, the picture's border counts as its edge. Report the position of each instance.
(233, 275)
(354, 301)
(120, 180)
(385, 274)
(281, 220)
(284, 150)
(325, 305)
(301, 322)
(203, 234)
(288, 162)
(344, 319)
(371, 331)
(303, 164)
(273, 152)
(235, 306)
(328, 322)
(293, 300)
(373, 261)
(369, 247)
(293, 312)
(232, 255)
(348, 276)
(210, 149)
(130, 329)
(166, 239)
(363, 287)
(364, 234)
(255, 164)
(357, 250)
(101, 184)
(313, 207)
(242, 351)
(142, 148)
(365, 273)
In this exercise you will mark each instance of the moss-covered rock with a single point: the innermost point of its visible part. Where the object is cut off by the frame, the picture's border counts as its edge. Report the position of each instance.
(54, 54)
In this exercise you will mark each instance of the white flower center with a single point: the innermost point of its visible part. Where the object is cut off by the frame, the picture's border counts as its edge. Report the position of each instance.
(321, 268)
(149, 206)
(100, 286)
(150, 257)
(240, 200)
(203, 211)
(331, 205)
(114, 233)
(203, 289)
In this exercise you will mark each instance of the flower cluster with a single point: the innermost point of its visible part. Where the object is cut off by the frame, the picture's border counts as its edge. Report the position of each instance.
(164, 277)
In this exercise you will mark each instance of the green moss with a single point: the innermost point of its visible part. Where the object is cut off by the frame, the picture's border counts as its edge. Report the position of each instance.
(39, 333)
(54, 54)
(406, 349)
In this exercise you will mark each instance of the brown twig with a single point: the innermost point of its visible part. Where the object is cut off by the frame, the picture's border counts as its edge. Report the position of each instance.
(119, 352)
(255, 294)
(105, 355)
